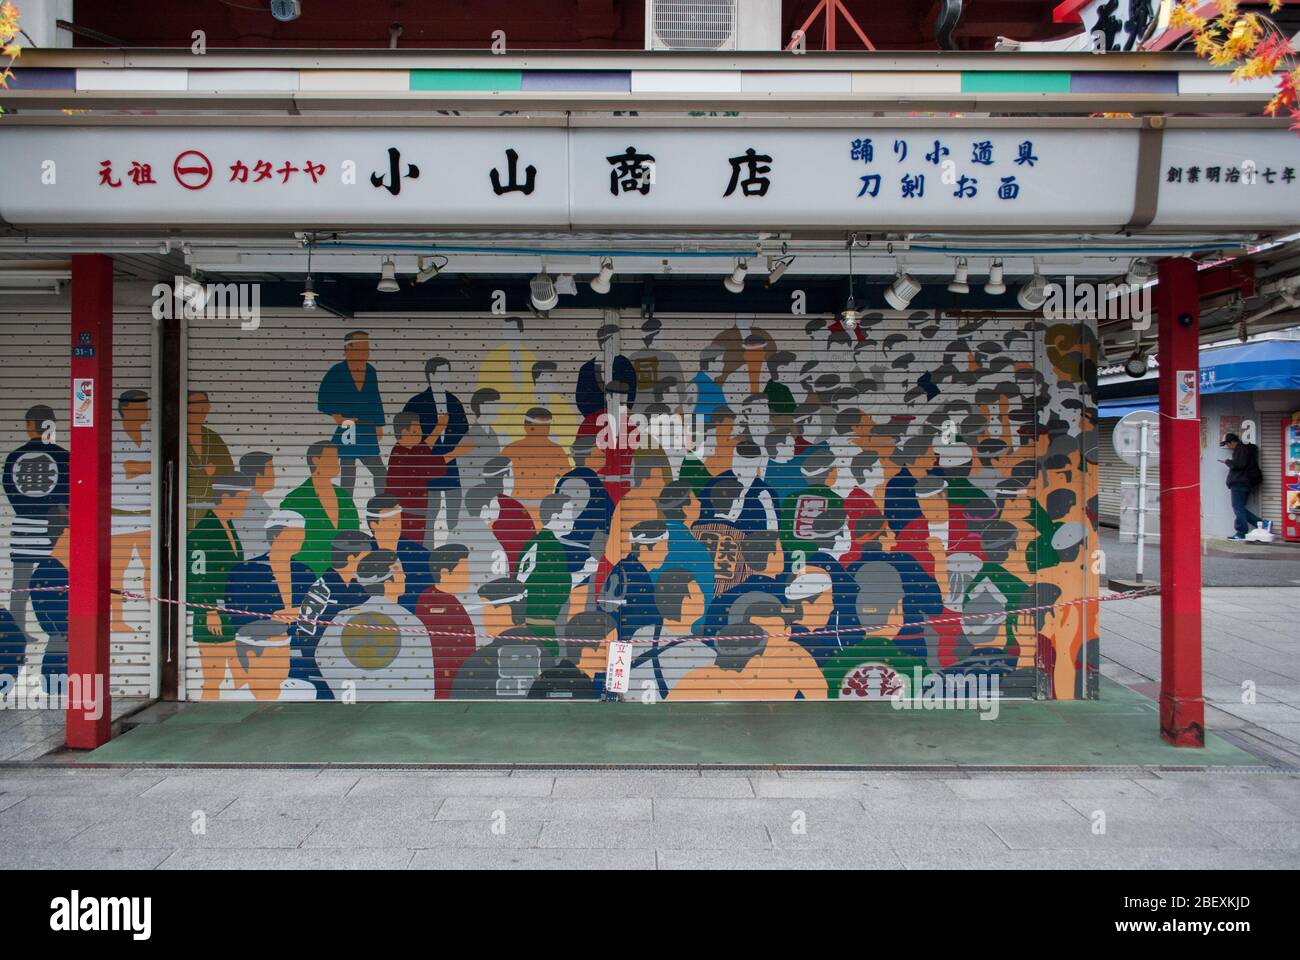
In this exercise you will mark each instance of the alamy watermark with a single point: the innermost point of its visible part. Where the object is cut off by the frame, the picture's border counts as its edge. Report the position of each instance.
(950, 691)
(60, 691)
(1130, 302)
(187, 298)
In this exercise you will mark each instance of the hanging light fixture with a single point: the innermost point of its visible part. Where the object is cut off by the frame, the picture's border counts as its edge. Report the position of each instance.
(1140, 272)
(736, 282)
(994, 284)
(851, 315)
(902, 291)
(543, 292)
(1033, 292)
(387, 277)
(600, 282)
(960, 276)
(308, 290)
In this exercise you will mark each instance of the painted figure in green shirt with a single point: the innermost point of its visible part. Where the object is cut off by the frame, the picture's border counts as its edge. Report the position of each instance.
(801, 509)
(214, 547)
(326, 508)
(543, 566)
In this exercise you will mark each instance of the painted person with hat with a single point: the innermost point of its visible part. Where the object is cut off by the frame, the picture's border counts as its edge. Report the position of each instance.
(261, 664)
(378, 650)
(383, 520)
(272, 583)
(36, 485)
(511, 662)
(349, 392)
(325, 507)
(451, 629)
(332, 592)
(543, 566)
(658, 372)
(589, 393)
(579, 671)
(214, 550)
(799, 510)
(537, 460)
(629, 589)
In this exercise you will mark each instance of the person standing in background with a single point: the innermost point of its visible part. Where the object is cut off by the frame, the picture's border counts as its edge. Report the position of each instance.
(36, 483)
(1244, 476)
(350, 394)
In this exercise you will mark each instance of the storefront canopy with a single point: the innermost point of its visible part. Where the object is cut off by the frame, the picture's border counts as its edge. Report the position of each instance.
(1241, 368)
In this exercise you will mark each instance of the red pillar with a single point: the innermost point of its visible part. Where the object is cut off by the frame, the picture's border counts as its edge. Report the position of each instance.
(89, 716)
(1182, 704)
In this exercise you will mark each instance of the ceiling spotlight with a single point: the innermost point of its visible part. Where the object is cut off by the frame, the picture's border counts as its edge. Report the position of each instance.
(736, 282)
(387, 277)
(564, 284)
(424, 273)
(544, 294)
(776, 269)
(1033, 293)
(994, 284)
(1140, 272)
(960, 274)
(308, 294)
(600, 282)
(901, 291)
(1136, 365)
(193, 295)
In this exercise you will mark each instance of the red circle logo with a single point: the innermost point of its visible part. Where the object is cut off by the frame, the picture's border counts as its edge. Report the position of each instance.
(192, 170)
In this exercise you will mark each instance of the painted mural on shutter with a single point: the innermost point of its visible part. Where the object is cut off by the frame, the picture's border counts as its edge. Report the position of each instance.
(474, 507)
(34, 541)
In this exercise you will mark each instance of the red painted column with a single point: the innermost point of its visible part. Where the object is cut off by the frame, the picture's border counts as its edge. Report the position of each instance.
(89, 716)
(1182, 704)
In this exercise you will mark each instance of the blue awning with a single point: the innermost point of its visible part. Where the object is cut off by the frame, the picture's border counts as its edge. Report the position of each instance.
(1110, 409)
(1239, 368)
(1263, 365)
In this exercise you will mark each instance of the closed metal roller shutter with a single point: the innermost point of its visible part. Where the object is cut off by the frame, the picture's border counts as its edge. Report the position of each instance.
(1270, 463)
(36, 373)
(849, 489)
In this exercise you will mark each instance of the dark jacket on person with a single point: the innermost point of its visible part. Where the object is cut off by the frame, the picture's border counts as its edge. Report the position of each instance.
(1243, 467)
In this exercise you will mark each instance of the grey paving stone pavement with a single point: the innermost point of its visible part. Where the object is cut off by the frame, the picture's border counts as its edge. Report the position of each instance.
(336, 819)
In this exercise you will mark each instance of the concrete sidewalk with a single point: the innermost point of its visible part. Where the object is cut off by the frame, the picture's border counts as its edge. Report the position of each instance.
(339, 818)
(1251, 662)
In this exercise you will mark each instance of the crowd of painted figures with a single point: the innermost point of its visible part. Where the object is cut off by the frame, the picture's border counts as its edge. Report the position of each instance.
(912, 494)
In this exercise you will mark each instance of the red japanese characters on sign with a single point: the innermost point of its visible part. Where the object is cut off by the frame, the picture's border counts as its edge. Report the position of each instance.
(192, 170)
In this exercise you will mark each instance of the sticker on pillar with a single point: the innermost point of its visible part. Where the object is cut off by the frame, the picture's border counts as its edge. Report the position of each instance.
(1185, 400)
(619, 666)
(83, 401)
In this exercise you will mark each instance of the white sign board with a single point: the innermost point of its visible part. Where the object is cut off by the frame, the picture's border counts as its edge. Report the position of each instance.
(83, 402)
(1127, 437)
(1185, 389)
(618, 668)
(866, 176)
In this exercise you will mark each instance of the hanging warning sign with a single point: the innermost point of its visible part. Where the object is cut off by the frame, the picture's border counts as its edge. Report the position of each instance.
(83, 401)
(618, 667)
(1186, 400)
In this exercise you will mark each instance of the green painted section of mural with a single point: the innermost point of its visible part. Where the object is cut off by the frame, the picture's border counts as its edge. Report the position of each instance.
(1121, 729)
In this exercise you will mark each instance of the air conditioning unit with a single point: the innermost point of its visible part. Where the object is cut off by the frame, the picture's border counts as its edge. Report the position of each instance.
(691, 24)
(704, 25)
